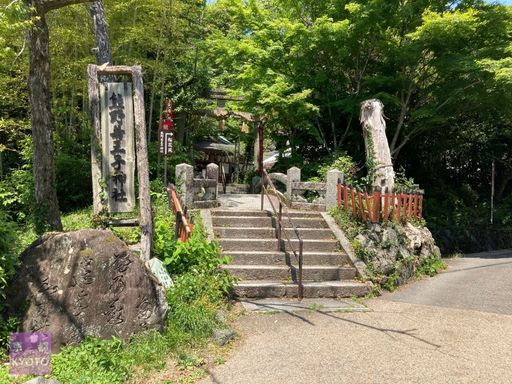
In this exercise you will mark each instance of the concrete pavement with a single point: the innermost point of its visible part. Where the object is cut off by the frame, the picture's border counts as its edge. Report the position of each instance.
(438, 330)
(480, 281)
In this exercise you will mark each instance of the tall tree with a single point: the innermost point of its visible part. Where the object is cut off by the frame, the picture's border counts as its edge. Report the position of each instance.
(47, 205)
(103, 49)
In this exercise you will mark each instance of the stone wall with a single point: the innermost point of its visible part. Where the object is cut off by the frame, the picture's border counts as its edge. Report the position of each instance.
(395, 251)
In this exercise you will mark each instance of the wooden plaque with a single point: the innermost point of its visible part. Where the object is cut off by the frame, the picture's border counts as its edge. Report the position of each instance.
(118, 153)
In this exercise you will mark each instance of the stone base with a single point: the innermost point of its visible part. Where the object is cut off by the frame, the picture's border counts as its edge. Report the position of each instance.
(308, 206)
(206, 204)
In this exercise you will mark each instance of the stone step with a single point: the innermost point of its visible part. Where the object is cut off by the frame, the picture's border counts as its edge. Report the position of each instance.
(257, 258)
(248, 245)
(311, 245)
(306, 222)
(265, 233)
(242, 221)
(311, 233)
(286, 273)
(239, 212)
(244, 232)
(259, 213)
(269, 244)
(312, 289)
(283, 258)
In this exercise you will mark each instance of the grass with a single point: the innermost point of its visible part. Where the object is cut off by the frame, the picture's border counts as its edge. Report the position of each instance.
(178, 354)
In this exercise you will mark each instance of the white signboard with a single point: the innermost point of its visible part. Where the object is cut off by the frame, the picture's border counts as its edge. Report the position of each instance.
(118, 146)
(158, 270)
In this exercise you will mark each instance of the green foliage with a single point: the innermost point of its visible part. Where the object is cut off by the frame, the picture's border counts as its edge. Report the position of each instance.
(16, 194)
(93, 361)
(8, 263)
(8, 257)
(343, 163)
(402, 182)
(74, 183)
(347, 223)
(430, 267)
(194, 301)
(80, 219)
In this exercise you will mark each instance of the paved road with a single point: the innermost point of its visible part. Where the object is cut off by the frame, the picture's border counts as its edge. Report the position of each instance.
(454, 328)
(482, 282)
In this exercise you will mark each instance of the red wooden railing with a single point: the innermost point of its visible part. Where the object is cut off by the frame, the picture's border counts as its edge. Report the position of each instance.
(183, 226)
(377, 206)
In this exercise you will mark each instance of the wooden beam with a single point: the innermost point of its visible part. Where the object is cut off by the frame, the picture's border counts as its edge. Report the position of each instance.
(94, 107)
(146, 216)
(123, 223)
(115, 70)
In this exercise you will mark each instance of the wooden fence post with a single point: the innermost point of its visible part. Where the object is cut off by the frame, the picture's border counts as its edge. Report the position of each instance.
(376, 205)
(386, 205)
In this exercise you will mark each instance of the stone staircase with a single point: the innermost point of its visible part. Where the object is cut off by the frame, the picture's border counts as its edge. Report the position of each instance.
(250, 238)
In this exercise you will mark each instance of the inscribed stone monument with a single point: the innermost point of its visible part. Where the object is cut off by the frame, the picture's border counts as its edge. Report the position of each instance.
(85, 283)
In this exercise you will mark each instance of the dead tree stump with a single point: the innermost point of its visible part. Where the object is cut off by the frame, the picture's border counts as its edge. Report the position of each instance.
(378, 155)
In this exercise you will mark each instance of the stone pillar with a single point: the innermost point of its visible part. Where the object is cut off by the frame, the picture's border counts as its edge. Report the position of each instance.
(331, 193)
(293, 177)
(212, 173)
(184, 184)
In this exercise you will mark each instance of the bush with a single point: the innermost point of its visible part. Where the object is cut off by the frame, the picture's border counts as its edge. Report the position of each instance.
(8, 257)
(16, 194)
(8, 262)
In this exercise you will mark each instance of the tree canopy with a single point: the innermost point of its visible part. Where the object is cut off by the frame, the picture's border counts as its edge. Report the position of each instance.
(442, 69)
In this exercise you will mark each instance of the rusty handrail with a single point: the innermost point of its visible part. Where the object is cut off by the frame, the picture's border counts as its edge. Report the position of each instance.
(299, 257)
(183, 227)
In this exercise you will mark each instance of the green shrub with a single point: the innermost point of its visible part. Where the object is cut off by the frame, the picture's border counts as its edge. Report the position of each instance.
(16, 193)
(343, 163)
(430, 267)
(8, 257)
(8, 262)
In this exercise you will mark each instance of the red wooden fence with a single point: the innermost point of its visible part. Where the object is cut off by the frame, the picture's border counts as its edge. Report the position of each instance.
(183, 226)
(378, 206)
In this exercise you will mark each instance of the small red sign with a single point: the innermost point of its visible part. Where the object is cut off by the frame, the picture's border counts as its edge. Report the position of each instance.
(167, 124)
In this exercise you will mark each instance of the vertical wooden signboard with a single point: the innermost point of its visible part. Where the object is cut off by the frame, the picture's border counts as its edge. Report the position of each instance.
(118, 152)
(117, 117)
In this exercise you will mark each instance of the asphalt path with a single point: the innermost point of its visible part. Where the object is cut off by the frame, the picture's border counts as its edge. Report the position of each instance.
(481, 282)
(453, 328)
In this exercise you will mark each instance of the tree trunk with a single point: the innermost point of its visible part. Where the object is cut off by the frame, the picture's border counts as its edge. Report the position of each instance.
(378, 156)
(47, 205)
(103, 50)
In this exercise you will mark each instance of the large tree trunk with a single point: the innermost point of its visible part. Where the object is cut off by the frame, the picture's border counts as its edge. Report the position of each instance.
(47, 205)
(378, 156)
(102, 50)
(47, 213)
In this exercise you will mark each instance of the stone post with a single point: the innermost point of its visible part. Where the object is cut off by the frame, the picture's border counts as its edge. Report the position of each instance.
(293, 177)
(184, 184)
(212, 172)
(331, 193)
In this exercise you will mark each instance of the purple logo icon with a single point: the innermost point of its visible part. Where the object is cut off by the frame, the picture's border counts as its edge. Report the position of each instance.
(30, 353)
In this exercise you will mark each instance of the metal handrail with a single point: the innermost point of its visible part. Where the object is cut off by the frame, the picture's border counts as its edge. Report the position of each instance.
(280, 197)
(183, 228)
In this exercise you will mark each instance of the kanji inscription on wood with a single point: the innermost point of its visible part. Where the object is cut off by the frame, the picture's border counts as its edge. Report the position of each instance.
(118, 153)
